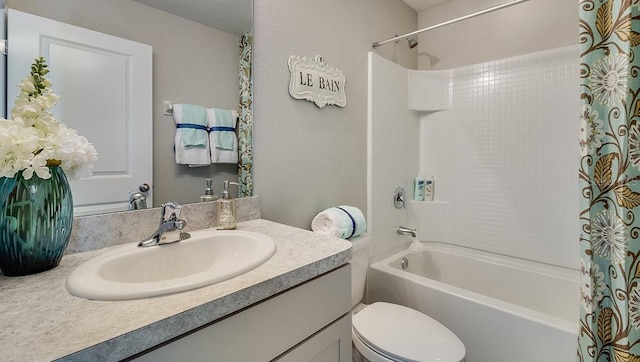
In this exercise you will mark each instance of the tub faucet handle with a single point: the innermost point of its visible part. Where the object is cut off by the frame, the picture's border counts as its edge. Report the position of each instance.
(403, 230)
(399, 198)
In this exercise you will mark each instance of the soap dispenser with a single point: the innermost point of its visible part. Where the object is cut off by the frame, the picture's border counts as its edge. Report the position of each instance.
(226, 209)
(209, 195)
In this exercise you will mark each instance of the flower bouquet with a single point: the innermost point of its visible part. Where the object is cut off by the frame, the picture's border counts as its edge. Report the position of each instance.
(37, 153)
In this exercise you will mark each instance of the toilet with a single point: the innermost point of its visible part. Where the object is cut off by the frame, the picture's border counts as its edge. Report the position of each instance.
(390, 332)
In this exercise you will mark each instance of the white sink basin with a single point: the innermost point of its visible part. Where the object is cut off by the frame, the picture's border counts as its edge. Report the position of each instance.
(131, 272)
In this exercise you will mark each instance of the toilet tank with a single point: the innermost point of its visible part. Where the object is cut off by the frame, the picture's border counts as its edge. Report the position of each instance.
(359, 266)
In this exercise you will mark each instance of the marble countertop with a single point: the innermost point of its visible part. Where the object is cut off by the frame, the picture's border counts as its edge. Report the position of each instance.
(40, 321)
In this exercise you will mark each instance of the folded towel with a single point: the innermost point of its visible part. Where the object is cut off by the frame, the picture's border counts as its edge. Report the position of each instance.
(225, 125)
(222, 136)
(341, 221)
(193, 121)
(191, 139)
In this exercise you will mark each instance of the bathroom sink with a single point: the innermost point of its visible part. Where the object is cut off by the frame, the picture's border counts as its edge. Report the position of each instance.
(131, 272)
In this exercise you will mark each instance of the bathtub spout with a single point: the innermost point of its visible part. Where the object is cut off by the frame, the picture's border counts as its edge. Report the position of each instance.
(406, 231)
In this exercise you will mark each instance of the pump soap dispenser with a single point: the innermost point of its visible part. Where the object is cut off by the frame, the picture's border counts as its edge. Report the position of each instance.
(226, 209)
(209, 195)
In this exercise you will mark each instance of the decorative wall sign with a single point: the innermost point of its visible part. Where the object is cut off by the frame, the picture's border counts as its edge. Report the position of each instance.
(316, 81)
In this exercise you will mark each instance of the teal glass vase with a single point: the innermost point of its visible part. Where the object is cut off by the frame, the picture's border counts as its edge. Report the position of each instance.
(36, 216)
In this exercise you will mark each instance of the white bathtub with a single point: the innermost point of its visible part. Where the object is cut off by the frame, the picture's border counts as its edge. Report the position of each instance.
(503, 309)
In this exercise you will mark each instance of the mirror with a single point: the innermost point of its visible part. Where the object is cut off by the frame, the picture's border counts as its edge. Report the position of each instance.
(195, 60)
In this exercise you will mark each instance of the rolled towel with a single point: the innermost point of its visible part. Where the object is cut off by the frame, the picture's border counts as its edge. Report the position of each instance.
(341, 221)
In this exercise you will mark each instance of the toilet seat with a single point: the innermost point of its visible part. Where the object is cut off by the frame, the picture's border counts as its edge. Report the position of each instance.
(398, 333)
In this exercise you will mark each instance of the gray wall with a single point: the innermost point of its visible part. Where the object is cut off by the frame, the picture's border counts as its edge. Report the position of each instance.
(192, 63)
(308, 159)
(520, 29)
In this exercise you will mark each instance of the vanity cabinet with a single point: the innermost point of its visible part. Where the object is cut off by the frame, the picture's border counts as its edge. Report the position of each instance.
(311, 322)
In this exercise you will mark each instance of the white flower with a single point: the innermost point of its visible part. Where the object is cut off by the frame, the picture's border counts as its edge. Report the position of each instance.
(27, 85)
(609, 79)
(586, 289)
(592, 285)
(39, 166)
(76, 151)
(609, 236)
(33, 138)
(634, 145)
(591, 132)
(634, 306)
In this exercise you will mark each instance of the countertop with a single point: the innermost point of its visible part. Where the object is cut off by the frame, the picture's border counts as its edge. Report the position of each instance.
(40, 321)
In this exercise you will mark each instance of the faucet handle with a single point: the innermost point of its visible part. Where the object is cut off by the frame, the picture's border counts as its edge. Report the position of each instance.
(171, 211)
(137, 201)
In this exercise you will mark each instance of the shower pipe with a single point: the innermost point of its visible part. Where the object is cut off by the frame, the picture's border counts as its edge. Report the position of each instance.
(485, 11)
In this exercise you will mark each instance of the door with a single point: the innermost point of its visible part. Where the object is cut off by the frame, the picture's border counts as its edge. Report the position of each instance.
(105, 89)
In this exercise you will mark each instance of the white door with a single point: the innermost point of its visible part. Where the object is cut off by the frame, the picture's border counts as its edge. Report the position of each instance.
(105, 89)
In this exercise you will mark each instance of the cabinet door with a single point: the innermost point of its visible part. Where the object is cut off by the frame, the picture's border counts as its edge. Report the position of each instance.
(268, 329)
(332, 344)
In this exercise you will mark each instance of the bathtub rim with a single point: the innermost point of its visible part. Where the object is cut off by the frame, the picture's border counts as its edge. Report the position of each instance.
(384, 265)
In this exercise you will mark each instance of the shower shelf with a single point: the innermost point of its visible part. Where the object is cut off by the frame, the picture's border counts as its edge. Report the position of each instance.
(434, 203)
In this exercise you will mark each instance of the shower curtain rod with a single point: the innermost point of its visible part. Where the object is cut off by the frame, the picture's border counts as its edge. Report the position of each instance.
(488, 10)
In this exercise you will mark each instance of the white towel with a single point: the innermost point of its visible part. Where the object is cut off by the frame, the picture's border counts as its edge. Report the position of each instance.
(218, 154)
(192, 156)
(341, 221)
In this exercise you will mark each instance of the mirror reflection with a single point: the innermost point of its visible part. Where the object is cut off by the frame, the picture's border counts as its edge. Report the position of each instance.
(195, 47)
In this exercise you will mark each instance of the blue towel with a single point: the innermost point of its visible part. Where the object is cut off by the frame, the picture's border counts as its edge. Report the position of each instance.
(224, 139)
(197, 116)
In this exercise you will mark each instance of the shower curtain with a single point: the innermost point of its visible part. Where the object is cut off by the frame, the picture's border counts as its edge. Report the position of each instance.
(245, 119)
(609, 178)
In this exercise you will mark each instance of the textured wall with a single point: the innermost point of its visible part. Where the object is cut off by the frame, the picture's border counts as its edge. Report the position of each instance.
(520, 29)
(308, 159)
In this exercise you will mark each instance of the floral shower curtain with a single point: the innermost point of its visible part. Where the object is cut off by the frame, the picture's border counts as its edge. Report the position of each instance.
(245, 119)
(610, 181)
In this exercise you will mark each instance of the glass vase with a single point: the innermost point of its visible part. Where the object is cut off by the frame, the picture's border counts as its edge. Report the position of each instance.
(36, 216)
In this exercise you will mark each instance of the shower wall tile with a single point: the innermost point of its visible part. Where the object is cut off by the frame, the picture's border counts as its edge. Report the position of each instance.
(505, 159)
(429, 90)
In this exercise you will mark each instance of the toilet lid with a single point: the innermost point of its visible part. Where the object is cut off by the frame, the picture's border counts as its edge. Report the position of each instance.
(406, 334)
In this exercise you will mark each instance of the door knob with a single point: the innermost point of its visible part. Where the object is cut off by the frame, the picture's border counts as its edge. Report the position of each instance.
(144, 187)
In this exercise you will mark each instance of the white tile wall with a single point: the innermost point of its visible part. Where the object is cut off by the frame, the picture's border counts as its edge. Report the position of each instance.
(429, 90)
(505, 159)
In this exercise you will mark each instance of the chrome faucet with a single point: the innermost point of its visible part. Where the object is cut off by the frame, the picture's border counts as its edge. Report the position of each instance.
(406, 231)
(170, 229)
(137, 201)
